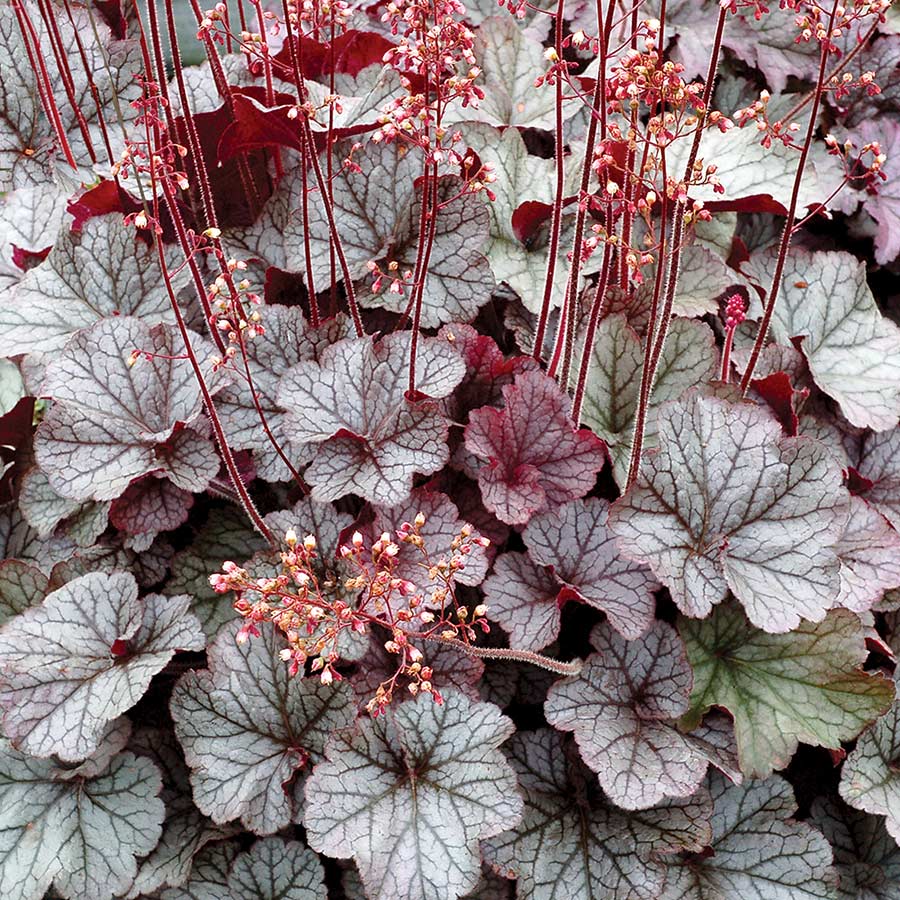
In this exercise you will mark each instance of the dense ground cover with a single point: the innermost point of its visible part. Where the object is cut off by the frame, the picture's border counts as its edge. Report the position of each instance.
(449, 451)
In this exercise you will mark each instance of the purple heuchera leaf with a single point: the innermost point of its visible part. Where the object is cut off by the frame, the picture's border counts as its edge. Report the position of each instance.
(83, 657)
(150, 505)
(248, 730)
(352, 404)
(429, 781)
(573, 840)
(111, 422)
(728, 502)
(536, 458)
(80, 830)
(622, 708)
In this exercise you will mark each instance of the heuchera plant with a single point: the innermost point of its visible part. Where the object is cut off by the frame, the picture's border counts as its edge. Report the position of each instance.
(449, 450)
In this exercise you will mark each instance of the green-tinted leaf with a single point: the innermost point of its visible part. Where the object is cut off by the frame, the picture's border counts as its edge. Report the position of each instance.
(428, 781)
(275, 869)
(83, 657)
(248, 729)
(807, 685)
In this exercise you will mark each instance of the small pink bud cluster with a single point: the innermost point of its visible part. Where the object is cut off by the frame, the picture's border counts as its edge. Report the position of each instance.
(735, 311)
(312, 605)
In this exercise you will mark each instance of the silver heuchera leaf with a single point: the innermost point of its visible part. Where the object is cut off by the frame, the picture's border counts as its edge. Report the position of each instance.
(573, 842)
(103, 270)
(852, 350)
(78, 832)
(83, 657)
(276, 869)
(45, 509)
(758, 851)
(185, 829)
(29, 220)
(21, 586)
(622, 708)
(248, 729)
(770, 683)
(689, 357)
(112, 422)
(428, 780)
(866, 858)
(877, 458)
(352, 403)
(728, 502)
(18, 540)
(287, 340)
(574, 542)
(870, 779)
(209, 873)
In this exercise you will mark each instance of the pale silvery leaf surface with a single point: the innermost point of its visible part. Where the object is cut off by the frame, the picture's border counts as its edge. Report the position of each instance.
(573, 843)
(442, 524)
(287, 340)
(276, 869)
(758, 851)
(83, 657)
(807, 685)
(877, 458)
(209, 874)
(622, 708)
(29, 154)
(870, 557)
(575, 544)
(689, 358)
(866, 858)
(510, 60)
(185, 829)
(523, 598)
(378, 211)
(111, 423)
(12, 387)
(727, 502)
(227, 535)
(535, 456)
(352, 403)
(409, 795)
(248, 730)
(78, 832)
(852, 350)
(870, 778)
(45, 509)
(18, 540)
(103, 270)
(29, 221)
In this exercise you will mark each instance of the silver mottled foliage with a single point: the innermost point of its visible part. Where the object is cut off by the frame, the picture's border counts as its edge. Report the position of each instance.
(248, 730)
(78, 831)
(852, 350)
(573, 844)
(275, 869)
(575, 543)
(623, 708)
(758, 851)
(111, 422)
(725, 503)
(83, 657)
(870, 779)
(781, 689)
(370, 438)
(410, 794)
(103, 270)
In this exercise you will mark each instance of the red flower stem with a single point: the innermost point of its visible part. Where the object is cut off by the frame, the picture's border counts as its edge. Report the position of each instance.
(787, 233)
(658, 329)
(556, 221)
(45, 90)
(429, 224)
(725, 373)
(597, 309)
(267, 72)
(329, 158)
(567, 321)
(296, 52)
(65, 72)
(328, 206)
(95, 93)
